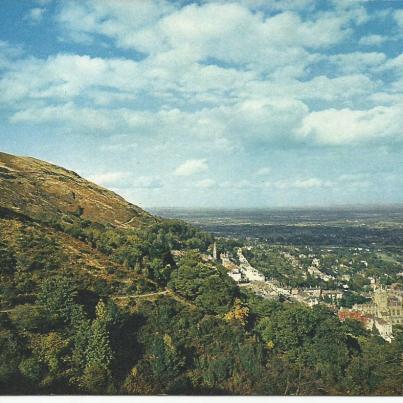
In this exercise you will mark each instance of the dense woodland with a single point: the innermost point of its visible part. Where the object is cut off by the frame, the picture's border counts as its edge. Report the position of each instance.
(64, 329)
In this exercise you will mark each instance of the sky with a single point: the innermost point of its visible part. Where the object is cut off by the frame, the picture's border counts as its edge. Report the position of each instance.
(248, 103)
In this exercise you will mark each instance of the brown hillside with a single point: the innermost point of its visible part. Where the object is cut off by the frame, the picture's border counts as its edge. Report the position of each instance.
(42, 190)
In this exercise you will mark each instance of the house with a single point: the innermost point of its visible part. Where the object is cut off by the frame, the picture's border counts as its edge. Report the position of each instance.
(384, 328)
(387, 309)
(236, 275)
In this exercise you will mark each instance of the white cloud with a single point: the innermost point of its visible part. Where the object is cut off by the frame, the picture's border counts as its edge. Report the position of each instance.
(398, 16)
(274, 112)
(260, 119)
(220, 127)
(344, 87)
(309, 183)
(348, 87)
(35, 15)
(357, 61)
(298, 183)
(67, 76)
(228, 32)
(264, 171)
(8, 54)
(372, 40)
(354, 181)
(206, 183)
(395, 64)
(191, 167)
(69, 114)
(279, 5)
(119, 19)
(345, 126)
(147, 182)
(123, 180)
(108, 178)
(119, 144)
(260, 92)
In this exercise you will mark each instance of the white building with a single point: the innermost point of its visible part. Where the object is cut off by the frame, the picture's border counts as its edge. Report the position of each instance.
(252, 274)
(384, 328)
(236, 275)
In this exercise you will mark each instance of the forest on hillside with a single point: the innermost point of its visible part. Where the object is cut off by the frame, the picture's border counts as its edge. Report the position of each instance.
(88, 308)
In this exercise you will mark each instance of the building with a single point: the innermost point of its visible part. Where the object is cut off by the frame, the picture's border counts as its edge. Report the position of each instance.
(214, 251)
(236, 275)
(386, 308)
(332, 294)
(251, 274)
(313, 292)
(227, 262)
(384, 328)
(315, 262)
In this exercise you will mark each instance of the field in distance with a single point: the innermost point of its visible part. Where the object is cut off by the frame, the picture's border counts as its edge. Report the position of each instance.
(321, 226)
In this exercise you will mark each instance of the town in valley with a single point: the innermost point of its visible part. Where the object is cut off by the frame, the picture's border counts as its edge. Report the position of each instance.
(357, 282)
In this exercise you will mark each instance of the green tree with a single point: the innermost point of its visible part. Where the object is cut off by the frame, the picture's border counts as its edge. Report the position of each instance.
(209, 287)
(50, 349)
(31, 369)
(57, 296)
(97, 375)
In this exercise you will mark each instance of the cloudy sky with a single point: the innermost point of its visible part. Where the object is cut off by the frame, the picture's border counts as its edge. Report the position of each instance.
(252, 103)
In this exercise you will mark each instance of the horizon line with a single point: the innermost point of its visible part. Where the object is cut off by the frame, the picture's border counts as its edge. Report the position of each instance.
(356, 206)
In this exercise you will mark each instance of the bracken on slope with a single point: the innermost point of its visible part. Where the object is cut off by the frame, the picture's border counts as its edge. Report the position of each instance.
(39, 189)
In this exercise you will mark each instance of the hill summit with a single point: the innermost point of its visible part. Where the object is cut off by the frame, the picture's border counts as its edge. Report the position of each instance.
(39, 189)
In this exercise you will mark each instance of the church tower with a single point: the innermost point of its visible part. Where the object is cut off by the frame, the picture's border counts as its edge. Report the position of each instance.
(214, 251)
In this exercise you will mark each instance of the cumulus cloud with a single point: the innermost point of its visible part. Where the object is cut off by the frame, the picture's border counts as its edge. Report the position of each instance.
(8, 54)
(346, 126)
(229, 32)
(206, 183)
(263, 171)
(341, 88)
(108, 178)
(398, 16)
(69, 114)
(299, 183)
(225, 75)
(147, 182)
(191, 167)
(123, 180)
(260, 119)
(35, 15)
(65, 76)
(354, 181)
(373, 40)
(357, 61)
(309, 183)
(280, 5)
(119, 144)
(394, 64)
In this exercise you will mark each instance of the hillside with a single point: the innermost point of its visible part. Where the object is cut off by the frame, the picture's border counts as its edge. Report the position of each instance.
(53, 222)
(94, 301)
(39, 189)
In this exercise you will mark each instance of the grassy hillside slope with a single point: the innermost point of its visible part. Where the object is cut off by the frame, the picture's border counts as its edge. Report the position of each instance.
(40, 189)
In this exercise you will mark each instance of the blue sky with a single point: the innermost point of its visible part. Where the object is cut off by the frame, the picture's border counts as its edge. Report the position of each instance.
(210, 103)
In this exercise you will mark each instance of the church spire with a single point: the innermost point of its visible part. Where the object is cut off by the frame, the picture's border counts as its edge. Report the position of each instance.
(214, 251)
